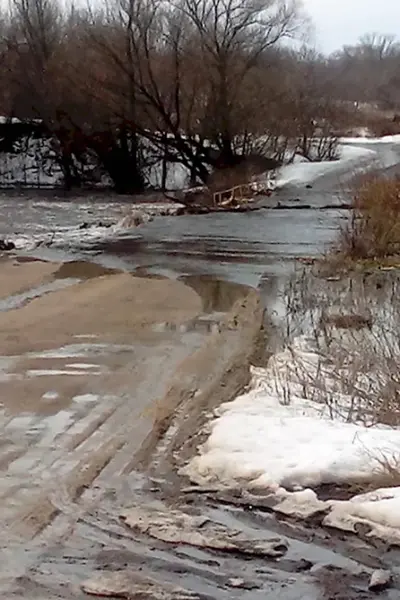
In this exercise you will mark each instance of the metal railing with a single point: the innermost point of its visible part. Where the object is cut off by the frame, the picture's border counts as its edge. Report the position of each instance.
(237, 191)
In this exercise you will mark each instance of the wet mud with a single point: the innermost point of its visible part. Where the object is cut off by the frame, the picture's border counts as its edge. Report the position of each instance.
(92, 503)
(114, 519)
(79, 418)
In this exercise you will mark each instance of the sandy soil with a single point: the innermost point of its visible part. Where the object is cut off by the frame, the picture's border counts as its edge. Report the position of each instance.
(111, 306)
(76, 361)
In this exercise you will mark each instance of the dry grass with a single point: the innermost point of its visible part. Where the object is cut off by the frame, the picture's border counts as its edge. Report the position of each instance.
(351, 364)
(352, 326)
(373, 229)
(387, 471)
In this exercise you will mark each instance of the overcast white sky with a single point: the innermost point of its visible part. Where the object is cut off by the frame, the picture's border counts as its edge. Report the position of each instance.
(339, 22)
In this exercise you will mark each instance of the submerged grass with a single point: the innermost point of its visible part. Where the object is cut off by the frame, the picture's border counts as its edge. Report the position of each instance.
(352, 326)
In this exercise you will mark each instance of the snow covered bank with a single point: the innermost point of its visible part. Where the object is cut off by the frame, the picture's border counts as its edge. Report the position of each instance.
(302, 171)
(387, 139)
(177, 176)
(290, 431)
(32, 164)
(299, 426)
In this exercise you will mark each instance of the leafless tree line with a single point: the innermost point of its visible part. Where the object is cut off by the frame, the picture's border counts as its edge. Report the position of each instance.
(204, 83)
(369, 71)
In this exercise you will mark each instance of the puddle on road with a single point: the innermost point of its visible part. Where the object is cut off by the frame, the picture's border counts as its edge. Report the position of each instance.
(83, 270)
(217, 295)
(298, 550)
(50, 396)
(208, 323)
(48, 381)
(58, 372)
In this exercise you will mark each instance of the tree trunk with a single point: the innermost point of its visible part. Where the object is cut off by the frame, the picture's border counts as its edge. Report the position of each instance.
(121, 163)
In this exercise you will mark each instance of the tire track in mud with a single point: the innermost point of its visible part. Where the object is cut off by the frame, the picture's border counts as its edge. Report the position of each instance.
(48, 469)
(203, 369)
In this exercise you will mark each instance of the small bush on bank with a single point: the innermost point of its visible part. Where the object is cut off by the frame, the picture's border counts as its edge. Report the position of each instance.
(373, 230)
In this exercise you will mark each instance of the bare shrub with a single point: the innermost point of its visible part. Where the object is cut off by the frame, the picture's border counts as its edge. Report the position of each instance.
(349, 321)
(348, 358)
(387, 471)
(373, 229)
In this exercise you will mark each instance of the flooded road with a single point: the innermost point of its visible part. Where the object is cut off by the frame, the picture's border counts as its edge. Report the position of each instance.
(299, 220)
(90, 451)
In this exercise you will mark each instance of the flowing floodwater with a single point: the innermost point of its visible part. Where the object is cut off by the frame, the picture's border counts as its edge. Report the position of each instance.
(299, 220)
(257, 249)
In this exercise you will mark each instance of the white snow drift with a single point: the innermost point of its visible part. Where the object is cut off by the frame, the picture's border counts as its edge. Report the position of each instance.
(304, 171)
(287, 434)
(387, 139)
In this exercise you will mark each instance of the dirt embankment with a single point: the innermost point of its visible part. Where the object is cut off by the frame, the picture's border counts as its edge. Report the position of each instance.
(215, 373)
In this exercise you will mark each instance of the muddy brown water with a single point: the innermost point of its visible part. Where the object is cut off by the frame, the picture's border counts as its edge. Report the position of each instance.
(76, 533)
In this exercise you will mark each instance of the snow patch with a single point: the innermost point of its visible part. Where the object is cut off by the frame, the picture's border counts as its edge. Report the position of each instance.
(86, 398)
(387, 139)
(378, 510)
(287, 434)
(80, 351)
(32, 163)
(258, 442)
(87, 366)
(177, 176)
(52, 395)
(51, 372)
(303, 171)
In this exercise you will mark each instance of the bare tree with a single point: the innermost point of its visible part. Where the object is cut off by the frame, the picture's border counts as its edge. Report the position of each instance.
(191, 67)
(368, 71)
(234, 37)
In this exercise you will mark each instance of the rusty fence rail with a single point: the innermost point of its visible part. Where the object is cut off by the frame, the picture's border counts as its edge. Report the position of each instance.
(237, 191)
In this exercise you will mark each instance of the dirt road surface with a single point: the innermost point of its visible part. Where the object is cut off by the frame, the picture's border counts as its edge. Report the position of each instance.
(93, 367)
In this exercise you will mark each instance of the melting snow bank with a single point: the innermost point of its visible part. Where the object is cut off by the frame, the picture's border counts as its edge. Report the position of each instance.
(387, 139)
(276, 439)
(304, 171)
(379, 510)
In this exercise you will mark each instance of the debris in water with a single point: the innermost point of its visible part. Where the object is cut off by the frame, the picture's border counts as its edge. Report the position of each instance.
(129, 585)
(380, 580)
(238, 582)
(6, 246)
(176, 527)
